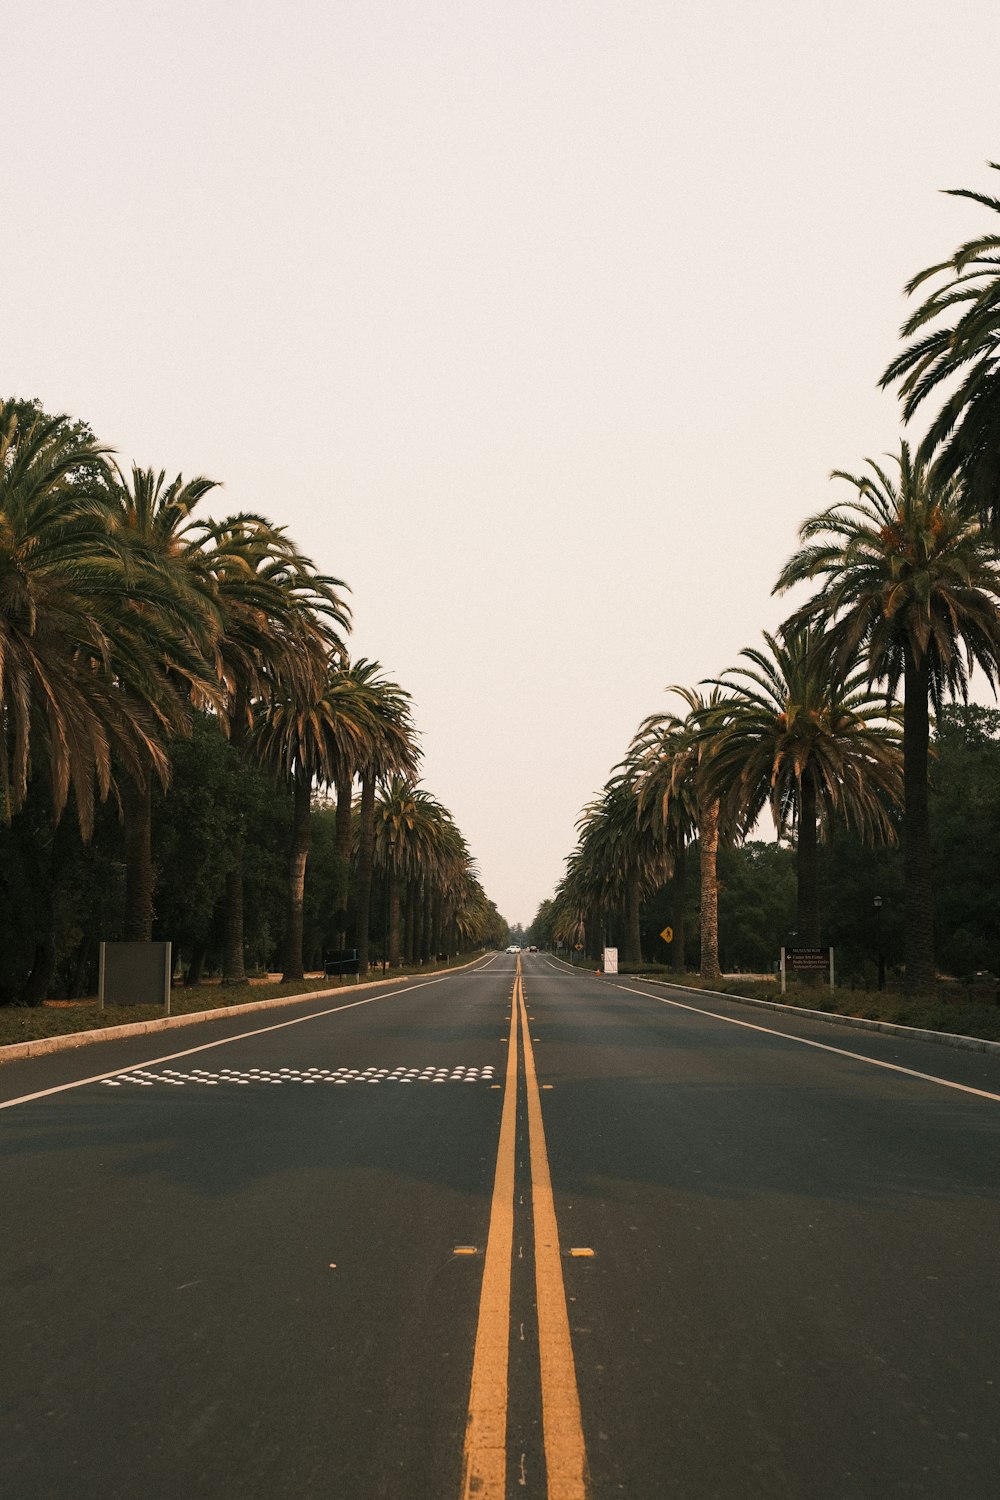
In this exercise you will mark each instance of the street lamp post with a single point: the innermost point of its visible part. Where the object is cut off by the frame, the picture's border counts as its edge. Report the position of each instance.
(878, 943)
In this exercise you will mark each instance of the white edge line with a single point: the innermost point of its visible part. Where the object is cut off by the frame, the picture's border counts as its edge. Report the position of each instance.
(69, 1041)
(152, 1062)
(956, 1039)
(805, 1041)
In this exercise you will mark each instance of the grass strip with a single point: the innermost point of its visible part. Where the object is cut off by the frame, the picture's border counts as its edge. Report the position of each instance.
(20, 1023)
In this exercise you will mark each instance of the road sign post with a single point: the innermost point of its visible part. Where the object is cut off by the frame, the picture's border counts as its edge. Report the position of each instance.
(806, 961)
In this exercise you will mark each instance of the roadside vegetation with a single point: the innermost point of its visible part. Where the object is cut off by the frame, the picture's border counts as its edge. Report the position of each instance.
(850, 725)
(189, 751)
(61, 1018)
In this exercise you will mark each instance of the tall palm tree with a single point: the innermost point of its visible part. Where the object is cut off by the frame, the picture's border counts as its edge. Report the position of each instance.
(406, 833)
(77, 622)
(391, 750)
(955, 347)
(667, 807)
(309, 742)
(155, 520)
(910, 586)
(281, 624)
(679, 775)
(626, 851)
(790, 734)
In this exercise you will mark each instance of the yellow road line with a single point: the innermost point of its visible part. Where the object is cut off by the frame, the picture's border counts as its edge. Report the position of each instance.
(562, 1426)
(484, 1471)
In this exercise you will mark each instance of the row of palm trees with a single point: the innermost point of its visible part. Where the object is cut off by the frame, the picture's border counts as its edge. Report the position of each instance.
(123, 613)
(907, 592)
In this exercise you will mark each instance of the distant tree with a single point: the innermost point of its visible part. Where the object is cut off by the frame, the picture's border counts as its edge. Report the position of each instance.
(677, 780)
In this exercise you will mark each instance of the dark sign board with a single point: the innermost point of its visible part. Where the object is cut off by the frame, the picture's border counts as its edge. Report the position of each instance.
(135, 974)
(802, 959)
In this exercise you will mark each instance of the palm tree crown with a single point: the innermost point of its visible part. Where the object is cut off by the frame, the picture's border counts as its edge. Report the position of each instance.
(906, 575)
(962, 354)
(816, 749)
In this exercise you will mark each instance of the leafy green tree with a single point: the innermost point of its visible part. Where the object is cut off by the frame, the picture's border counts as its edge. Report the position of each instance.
(965, 837)
(910, 586)
(757, 905)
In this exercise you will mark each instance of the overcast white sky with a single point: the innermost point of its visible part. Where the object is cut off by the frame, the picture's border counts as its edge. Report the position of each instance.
(542, 324)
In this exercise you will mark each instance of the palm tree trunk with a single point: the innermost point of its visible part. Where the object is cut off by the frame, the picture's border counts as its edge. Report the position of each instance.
(633, 935)
(437, 932)
(38, 985)
(918, 898)
(807, 878)
(297, 878)
(678, 902)
(233, 969)
(708, 843)
(807, 868)
(138, 802)
(426, 918)
(366, 844)
(342, 850)
(197, 965)
(393, 898)
(412, 908)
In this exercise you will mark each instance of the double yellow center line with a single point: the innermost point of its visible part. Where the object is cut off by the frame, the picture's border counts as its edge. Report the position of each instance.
(485, 1466)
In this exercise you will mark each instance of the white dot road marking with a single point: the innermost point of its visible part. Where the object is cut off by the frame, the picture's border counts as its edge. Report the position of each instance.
(149, 1062)
(141, 1077)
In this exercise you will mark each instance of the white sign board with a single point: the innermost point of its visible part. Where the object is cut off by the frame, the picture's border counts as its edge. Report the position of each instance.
(611, 960)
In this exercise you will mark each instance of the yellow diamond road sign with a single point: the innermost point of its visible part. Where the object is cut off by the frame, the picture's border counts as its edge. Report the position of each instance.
(667, 934)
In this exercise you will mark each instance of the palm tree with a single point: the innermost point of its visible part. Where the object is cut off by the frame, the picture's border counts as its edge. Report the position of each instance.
(391, 750)
(790, 735)
(177, 634)
(76, 613)
(667, 807)
(406, 837)
(960, 353)
(281, 625)
(678, 774)
(910, 587)
(627, 854)
(309, 742)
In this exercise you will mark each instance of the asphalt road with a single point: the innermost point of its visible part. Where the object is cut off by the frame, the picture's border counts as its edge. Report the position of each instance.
(245, 1271)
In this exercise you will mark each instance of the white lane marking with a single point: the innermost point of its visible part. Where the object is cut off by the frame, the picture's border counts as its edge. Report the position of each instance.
(804, 1041)
(152, 1062)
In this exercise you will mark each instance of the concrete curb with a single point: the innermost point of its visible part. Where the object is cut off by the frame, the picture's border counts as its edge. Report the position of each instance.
(70, 1039)
(859, 1023)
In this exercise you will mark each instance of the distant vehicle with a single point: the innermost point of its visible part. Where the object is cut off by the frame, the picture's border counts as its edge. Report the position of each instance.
(513, 948)
(532, 948)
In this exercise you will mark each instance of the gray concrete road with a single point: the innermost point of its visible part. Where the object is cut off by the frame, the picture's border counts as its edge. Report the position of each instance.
(234, 1273)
